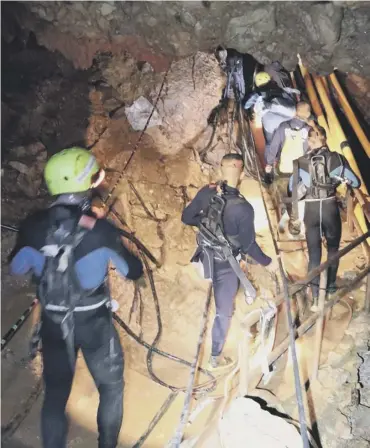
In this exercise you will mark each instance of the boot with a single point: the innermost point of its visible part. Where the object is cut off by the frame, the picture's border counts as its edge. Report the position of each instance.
(219, 362)
(294, 227)
(315, 304)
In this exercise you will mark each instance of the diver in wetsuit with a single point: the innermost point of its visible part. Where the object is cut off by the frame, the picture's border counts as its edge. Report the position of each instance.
(320, 172)
(69, 251)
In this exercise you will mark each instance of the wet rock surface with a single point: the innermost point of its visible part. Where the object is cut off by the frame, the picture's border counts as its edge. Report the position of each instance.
(326, 34)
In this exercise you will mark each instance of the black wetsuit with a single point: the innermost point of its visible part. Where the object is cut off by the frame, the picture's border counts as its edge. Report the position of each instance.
(239, 224)
(94, 331)
(322, 216)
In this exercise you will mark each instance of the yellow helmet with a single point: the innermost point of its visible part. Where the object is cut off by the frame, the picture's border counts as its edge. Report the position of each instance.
(261, 79)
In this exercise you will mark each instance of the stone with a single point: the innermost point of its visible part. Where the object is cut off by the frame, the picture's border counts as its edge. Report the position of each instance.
(245, 420)
(107, 9)
(332, 378)
(364, 370)
(146, 68)
(20, 167)
(360, 419)
(342, 428)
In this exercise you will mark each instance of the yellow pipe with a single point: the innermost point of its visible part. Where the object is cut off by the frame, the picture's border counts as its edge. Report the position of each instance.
(315, 103)
(326, 85)
(334, 144)
(350, 114)
(345, 149)
(337, 131)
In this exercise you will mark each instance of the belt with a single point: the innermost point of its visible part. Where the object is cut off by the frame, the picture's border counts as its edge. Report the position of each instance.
(77, 308)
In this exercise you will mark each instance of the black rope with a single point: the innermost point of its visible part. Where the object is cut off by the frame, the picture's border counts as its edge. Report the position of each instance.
(18, 325)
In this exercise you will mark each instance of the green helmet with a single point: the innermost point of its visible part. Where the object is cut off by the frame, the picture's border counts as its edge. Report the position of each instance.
(70, 171)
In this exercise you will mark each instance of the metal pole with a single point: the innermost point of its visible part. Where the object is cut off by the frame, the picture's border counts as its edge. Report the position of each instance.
(319, 324)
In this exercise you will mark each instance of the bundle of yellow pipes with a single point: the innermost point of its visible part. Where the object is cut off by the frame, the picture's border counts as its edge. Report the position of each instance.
(337, 140)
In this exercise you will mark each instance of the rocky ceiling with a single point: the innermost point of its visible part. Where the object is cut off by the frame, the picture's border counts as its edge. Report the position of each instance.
(326, 34)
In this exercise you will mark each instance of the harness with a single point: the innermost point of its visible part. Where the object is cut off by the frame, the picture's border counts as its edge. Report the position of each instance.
(215, 244)
(322, 186)
(59, 290)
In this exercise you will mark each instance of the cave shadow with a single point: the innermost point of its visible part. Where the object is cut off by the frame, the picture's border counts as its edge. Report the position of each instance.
(43, 97)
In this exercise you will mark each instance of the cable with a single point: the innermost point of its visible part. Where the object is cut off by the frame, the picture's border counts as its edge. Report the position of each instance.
(18, 324)
(176, 440)
(297, 381)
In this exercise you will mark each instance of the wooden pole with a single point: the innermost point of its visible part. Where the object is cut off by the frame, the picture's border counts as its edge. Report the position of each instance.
(319, 324)
(367, 297)
(350, 210)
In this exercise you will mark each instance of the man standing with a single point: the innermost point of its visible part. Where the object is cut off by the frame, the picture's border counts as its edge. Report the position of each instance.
(319, 174)
(236, 223)
(69, 251)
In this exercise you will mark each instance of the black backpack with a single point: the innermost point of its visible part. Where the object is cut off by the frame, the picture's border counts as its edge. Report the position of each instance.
(211, 229)
(59, 290)
(322, 185)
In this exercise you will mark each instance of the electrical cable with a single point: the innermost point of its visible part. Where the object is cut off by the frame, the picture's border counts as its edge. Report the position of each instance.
(151, 347)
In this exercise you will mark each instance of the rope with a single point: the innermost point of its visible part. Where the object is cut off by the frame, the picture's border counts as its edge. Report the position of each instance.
(176, 440)
(138, 141)
(297, 381)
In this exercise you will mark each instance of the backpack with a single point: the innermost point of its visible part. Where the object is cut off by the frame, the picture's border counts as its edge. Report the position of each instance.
(212, 236)
(322, 185)
(59, 290)
(293, 148)
(278, 74)
(211, 228)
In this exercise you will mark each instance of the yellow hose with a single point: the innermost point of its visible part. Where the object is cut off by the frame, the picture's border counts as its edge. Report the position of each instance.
(343, 147)
(350, 114)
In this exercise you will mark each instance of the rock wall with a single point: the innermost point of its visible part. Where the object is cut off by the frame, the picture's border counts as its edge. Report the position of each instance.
(326, 34)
